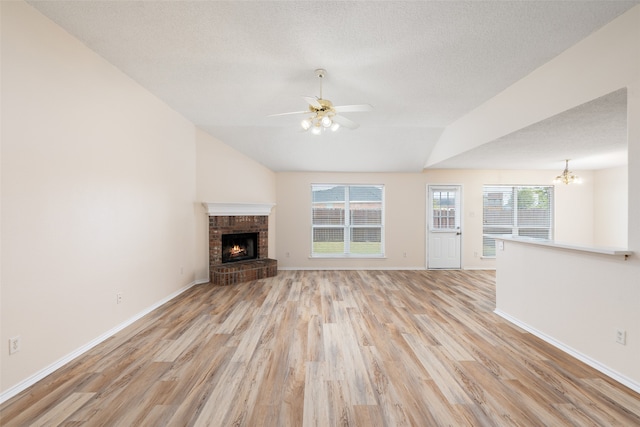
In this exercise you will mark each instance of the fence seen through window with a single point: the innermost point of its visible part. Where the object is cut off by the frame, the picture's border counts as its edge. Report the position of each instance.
(347, 220)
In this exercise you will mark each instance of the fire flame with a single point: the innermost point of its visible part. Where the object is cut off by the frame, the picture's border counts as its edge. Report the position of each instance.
(237, 250)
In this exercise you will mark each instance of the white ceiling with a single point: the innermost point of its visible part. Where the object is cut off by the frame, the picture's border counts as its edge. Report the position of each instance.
(227, 65)
(592, 135)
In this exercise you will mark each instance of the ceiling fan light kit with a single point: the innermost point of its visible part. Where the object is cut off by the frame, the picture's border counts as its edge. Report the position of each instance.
(323, 115)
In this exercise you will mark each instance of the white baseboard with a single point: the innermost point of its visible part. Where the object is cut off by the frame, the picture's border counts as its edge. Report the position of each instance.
(9, 393)
(349, 268)
(375, 269)
(578, 355)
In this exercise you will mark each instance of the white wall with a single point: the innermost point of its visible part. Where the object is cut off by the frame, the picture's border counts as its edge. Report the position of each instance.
(224, 175)
(405, 216)
(98, 185)
(610, 207)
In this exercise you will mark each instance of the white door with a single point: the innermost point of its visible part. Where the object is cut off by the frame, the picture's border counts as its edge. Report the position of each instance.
(444, 229)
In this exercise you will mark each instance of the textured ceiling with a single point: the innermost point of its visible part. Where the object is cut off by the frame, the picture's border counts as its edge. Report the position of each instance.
(592, 135)
(226, 66)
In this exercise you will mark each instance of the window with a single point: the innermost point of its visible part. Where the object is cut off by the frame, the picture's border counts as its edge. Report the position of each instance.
(445, 205)
(516, 211)
(347, 220)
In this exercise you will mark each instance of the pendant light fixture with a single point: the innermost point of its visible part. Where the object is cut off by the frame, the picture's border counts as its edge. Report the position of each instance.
(567, 177)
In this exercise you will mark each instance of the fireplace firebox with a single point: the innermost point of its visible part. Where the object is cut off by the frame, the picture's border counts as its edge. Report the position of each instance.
(239, 247)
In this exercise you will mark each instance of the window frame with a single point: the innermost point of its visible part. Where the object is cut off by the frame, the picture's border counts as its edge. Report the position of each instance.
(347, 225)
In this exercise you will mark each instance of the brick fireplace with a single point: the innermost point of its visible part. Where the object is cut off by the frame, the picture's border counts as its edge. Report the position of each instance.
(237, 218)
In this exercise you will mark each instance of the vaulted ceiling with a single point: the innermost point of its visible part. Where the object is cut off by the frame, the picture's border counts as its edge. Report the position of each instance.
(228, 65)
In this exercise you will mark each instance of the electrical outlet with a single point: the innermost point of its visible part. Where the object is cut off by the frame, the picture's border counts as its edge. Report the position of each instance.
(119, 298)
(14, 344)
(404, 254)
(621, 336)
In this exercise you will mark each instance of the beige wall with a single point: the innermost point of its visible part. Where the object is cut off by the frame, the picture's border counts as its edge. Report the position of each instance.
(610, 207)
(404, 220)
(102, 186)
(405, 215)
(573, 210)
(224, 175)
(98, 184)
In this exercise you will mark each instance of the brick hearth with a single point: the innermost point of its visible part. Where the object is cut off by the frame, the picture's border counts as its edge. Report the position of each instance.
(242, 271)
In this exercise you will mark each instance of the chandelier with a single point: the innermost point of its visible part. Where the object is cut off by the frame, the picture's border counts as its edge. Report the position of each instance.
(567, 177)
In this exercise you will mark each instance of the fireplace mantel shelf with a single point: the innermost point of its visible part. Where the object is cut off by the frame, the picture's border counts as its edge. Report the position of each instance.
(238, 209)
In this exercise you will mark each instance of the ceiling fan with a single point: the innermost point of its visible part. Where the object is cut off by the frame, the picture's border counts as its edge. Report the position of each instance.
(323, 115)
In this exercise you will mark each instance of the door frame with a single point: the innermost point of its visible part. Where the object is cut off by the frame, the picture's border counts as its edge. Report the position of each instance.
(428, 218)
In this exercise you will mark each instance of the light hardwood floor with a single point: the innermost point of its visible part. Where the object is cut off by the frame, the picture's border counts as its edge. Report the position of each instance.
(327, 348)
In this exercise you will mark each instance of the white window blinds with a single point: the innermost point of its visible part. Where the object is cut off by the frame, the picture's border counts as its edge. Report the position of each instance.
(516, 211)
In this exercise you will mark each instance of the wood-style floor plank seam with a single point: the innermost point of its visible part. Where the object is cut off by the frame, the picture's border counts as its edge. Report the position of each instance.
(328, 348)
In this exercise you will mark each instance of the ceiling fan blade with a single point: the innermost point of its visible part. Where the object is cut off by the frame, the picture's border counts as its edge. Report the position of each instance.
(287, 114)
(343, 121)
(353, 108)
(312, 101)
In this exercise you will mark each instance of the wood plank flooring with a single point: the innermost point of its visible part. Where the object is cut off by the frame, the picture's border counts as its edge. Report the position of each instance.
(328, 348)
